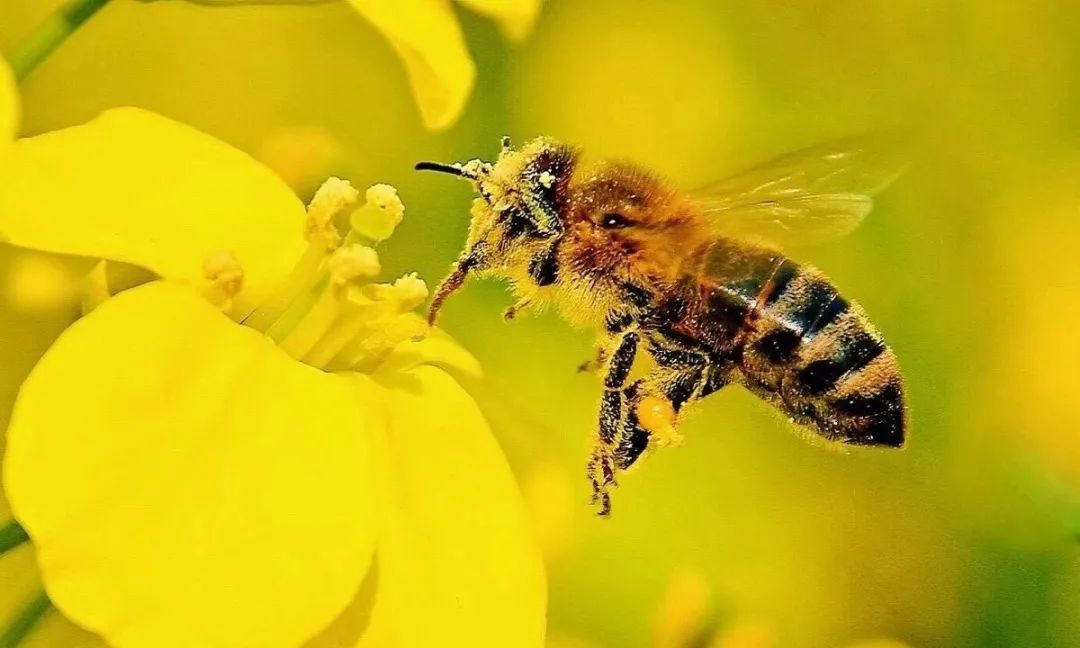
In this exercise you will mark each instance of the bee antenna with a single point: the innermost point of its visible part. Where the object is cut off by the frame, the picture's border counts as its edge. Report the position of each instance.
(441, 168)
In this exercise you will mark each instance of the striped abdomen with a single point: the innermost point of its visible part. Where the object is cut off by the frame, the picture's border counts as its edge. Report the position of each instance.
(808, 351)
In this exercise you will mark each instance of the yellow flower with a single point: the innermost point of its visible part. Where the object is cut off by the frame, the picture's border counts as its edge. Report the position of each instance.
(426, 35)
(260, 448)
(9, 103)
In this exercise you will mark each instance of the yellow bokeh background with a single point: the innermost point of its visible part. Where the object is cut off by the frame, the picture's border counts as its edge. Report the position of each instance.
(969, 537)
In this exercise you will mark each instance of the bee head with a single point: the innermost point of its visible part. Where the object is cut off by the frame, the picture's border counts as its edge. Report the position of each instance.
(522, 206)
(525, 188)
(626, 223)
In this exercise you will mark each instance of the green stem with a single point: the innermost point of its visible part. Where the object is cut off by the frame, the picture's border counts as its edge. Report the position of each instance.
(11, 535)
(25, 621)
(50, 34)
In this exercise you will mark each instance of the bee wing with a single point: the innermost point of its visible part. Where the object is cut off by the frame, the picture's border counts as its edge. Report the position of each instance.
(808, 196)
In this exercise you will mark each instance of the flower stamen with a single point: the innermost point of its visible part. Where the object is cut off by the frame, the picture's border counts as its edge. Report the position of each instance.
(392, 323)
(380, 215)
(329, 314)
(225, 279)
(352, 262)
(334, 199)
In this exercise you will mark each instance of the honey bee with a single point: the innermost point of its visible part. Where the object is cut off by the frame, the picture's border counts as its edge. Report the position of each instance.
(690, 285)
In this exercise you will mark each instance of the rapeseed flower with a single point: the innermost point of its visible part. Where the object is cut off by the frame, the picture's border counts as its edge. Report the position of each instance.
(262, 446)
(427, 37)
(9, 103)
(425, 34)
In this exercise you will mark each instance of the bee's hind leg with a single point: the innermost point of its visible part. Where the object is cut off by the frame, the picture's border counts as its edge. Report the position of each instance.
(601, 473)
(624, 435)
(652, 405)
(645, 412)
(607, 454)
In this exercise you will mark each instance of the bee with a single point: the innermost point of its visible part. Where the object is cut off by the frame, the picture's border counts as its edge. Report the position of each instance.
(691, 286)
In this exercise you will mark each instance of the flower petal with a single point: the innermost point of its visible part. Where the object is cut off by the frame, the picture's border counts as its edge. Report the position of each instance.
(426, 35)
(186, 483)
(515, 17)
(137, 187)
(9, 103)
(457, 564)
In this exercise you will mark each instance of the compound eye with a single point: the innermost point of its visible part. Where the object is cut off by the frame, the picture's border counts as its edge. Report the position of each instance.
(612, 220)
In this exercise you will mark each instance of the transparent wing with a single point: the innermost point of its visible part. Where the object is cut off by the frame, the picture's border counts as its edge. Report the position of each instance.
(805, 197)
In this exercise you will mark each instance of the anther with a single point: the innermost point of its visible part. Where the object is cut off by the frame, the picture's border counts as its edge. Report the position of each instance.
(225, 277)
(334, 198)
(380, 214)
(406, 293)
(351, 262)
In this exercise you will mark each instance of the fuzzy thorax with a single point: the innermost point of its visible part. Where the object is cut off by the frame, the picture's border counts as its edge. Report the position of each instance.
(573, 237)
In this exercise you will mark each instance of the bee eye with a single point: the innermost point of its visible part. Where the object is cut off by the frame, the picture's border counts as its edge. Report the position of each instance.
(611, 220)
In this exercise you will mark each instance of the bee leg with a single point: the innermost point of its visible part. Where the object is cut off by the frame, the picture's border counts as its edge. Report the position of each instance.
(617, 323)
(645, 412)
(601, 472)
(653, 408)
(658, 412)
(633, 438)
(596, 364)
(513, 311)
(657, 416)
(600, 469)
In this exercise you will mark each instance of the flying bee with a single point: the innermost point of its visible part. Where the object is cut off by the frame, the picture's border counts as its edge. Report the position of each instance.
(693, 285)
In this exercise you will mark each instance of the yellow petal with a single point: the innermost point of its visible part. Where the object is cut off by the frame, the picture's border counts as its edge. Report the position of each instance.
(515, 17)
(186, 483)
(9, 103)
(456, 563)
(426, 35)
(136, 187)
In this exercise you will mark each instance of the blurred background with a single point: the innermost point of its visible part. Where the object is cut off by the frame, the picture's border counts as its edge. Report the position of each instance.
(747, 535)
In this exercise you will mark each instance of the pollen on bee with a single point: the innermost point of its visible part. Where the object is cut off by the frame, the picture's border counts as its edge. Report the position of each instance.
(658, 417)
